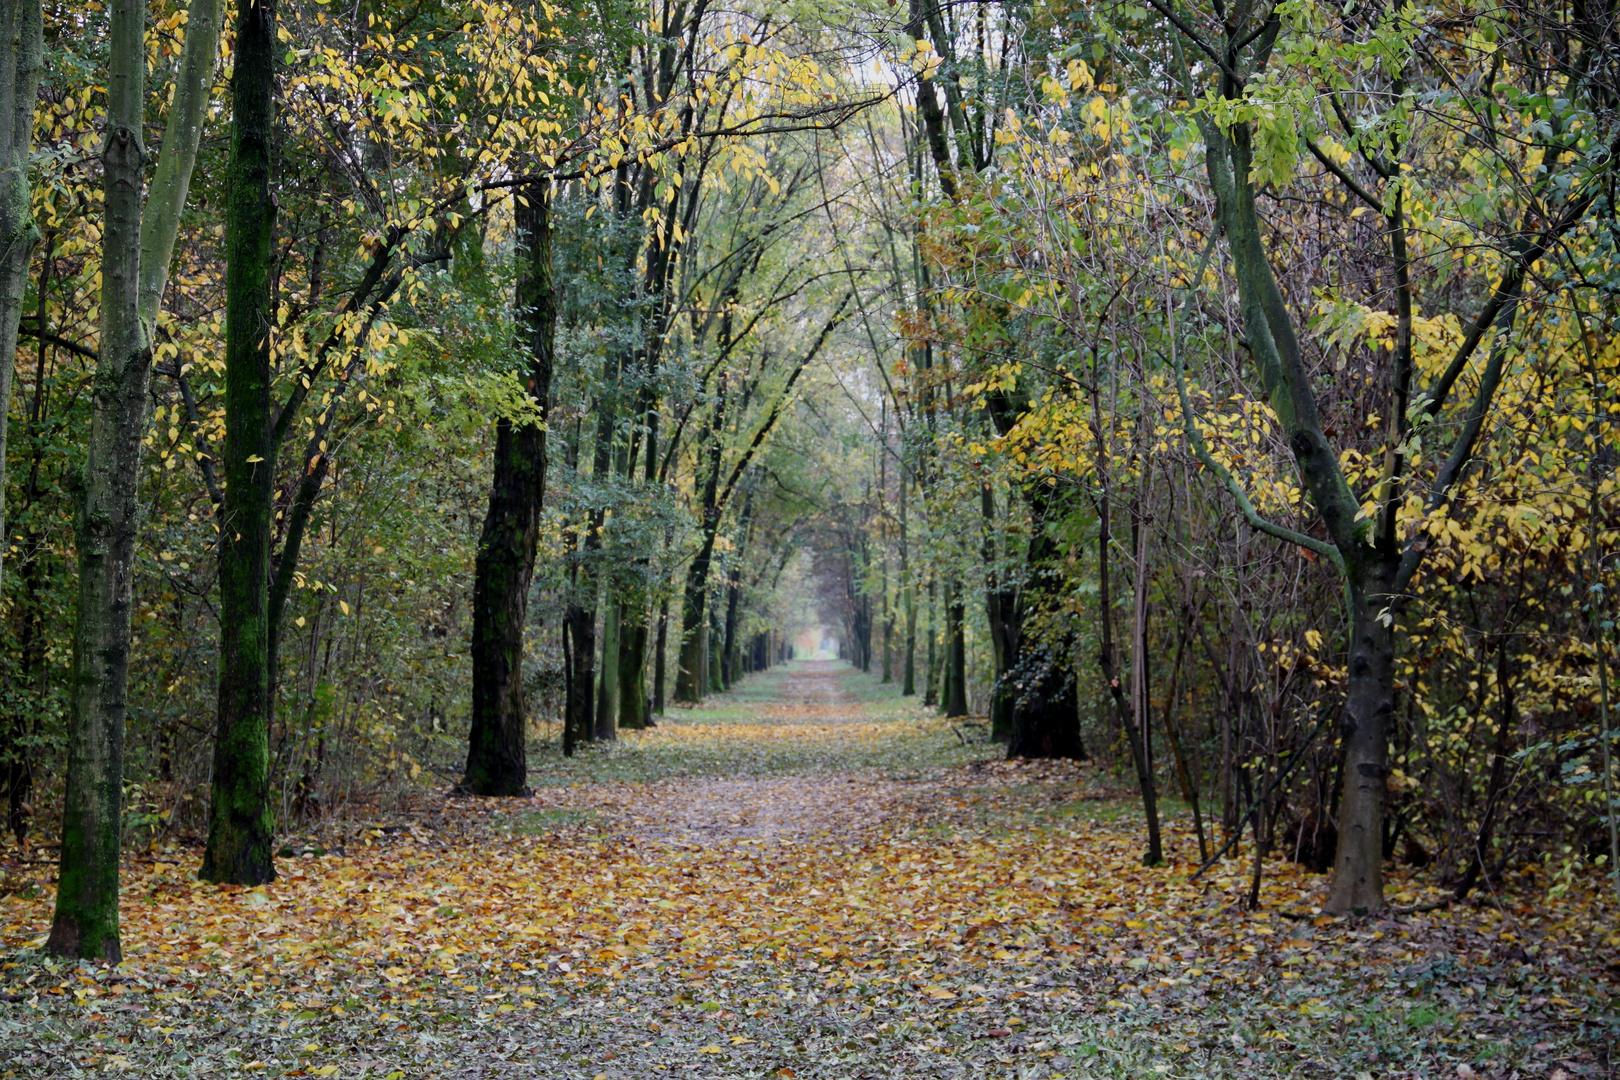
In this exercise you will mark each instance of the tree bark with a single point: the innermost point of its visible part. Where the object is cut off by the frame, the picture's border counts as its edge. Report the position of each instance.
(497, 743)
(607, 695)
(955, 651)
(21, 62)
(1358, 878)
(659, 654)
(931, 668)
(239, 821)
(134, 263)
(633, 634)
(581, 704)
(85, 923)
(1133, 727)
(908, 684)
(1003, 614)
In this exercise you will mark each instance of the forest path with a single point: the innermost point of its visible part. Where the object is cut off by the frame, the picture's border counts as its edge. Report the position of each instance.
(808, 877)
(809, 698)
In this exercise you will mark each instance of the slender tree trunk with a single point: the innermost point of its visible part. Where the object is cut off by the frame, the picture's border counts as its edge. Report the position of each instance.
(908, 685)
(728, 645)
(1129, 725)
(570, 734)
(931, 682)
(21, 61)
(607, 695)
(713, 653)
(239, 822)
(1141, 689)
(17, 754)
(1358, 882)
(955, 651)
(1002, 614)
(660, 656)
(86, 919)
(497, 744)
(1186, 775)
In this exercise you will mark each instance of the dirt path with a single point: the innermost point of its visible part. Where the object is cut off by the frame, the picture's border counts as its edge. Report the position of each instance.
(708, 811)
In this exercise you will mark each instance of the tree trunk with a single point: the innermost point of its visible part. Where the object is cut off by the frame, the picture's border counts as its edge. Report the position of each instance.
(713, 652)
(607, 693)
(85, 923)
(1002, 615)
(659, 657)
(581, 704)
(1358, 878)
(633, 669)
(497, 744)
(21, 62)
(908, 685)
(1131, 726)
(955, 652)
(931, 673)
(691, 677)
(728, 646)
(239, 823)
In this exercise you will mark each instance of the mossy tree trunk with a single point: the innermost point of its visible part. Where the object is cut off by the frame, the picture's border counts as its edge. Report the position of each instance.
(136, 247)
(239, 822)
(86, 919)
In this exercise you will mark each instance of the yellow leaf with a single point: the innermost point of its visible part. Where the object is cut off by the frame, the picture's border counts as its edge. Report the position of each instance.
(710, 1049)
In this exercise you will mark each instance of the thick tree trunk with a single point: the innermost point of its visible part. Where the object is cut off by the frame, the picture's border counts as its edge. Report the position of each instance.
(497, 744)
(21, 61)
(1045, 719)
(581, 704)
(1358, 879)
(690, 676)
(633, 633)
(239, 822)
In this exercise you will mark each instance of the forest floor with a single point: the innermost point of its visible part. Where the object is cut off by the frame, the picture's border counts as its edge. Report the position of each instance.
(808, 877)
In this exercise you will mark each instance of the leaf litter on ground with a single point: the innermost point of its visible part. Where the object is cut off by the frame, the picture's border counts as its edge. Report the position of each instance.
(805, 878)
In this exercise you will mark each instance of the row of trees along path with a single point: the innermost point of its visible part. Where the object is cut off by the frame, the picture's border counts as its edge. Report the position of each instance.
(809, 876)
(406, 408)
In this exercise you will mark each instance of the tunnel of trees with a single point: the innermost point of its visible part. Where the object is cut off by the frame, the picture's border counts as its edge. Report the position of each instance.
(1217, 392)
